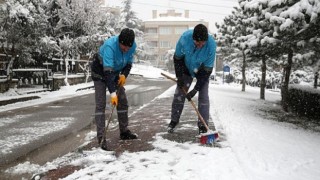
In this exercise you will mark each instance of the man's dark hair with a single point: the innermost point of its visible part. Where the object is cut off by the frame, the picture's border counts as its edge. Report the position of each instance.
(126, 37)
(200, 33)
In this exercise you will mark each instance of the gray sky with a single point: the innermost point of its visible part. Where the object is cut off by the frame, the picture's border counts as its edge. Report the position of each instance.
(210, 10)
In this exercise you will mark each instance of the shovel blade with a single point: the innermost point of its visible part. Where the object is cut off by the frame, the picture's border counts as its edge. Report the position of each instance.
(209, 138)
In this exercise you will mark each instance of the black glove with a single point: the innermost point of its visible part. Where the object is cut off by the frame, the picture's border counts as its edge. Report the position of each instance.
(191, 94)
(180, 83)
(126, 70)
(202, 77)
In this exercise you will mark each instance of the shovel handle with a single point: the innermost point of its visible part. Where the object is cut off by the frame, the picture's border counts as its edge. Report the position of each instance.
(109, 120)
(169, 77)
(192, 103)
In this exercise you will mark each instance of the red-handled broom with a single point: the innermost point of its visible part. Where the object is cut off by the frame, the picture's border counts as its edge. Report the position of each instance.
(205, 138)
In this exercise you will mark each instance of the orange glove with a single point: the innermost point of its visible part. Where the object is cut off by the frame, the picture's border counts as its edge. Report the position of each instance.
(122, 80)
(114, 99)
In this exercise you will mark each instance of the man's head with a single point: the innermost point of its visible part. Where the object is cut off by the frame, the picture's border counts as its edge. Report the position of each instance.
(200, 35)
(126, 37)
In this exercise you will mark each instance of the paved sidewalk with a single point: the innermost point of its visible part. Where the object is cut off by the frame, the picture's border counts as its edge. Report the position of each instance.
(151, 119)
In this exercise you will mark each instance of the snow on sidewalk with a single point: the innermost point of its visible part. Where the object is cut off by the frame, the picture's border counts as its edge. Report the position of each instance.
(265, 148)
(169, 159)
(256, 146)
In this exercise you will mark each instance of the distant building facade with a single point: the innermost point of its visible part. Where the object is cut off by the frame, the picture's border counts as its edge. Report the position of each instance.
(162, 32)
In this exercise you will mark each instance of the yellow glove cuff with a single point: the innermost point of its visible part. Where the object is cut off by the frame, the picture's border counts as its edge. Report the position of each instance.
(114, 99)
(122, 80)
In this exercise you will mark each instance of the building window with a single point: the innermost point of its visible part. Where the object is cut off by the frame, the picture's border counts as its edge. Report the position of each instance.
(152, 44)
(151, 30)
(180, 30)
(165, 44)
(164, 30)
(163, 57)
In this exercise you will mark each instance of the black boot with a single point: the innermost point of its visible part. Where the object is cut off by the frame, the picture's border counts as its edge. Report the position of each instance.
(128, 135)
(102, 143)
(171, 127)
(202, 128)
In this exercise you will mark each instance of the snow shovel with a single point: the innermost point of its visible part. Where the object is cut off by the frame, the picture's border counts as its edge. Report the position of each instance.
(106, 128)
(205, 138)
(109, 119)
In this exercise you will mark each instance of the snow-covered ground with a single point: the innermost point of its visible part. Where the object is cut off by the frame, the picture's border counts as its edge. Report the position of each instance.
(265, 149)
(257, 147)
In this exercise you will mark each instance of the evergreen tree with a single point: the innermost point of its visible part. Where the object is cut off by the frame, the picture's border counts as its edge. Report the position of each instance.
(52, 8)
(235, 33)
(260, 41)
(311, 39)
(129, 17)
(22, 25)
(79, 21)
(288, 25)
(276, 26)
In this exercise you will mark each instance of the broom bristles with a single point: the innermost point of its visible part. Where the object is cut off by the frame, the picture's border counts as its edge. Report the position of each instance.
(209, 137)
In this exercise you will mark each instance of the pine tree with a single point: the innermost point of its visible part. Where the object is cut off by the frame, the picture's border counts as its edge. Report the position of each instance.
(257, 30)
(311, 39)
(239, 30)
(288, 24)
(275, 31)
(129, 17)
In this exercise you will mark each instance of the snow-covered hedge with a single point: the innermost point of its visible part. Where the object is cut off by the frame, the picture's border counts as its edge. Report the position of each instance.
(305, 101)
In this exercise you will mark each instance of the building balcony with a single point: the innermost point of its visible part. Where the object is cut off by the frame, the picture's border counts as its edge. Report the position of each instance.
(151, 36)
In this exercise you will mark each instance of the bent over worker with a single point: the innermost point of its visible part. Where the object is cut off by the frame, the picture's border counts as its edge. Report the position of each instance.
(193, 58)
(110, 70)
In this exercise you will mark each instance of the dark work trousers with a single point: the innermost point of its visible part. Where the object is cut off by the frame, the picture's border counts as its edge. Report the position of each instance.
(179, 99)
(122, 108)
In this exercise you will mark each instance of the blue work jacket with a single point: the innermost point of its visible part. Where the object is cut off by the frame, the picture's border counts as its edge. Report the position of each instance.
(112, 55)
(194, 57)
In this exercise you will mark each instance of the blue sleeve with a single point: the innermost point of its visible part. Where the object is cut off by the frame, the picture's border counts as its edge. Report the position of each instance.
(179, 54)
(206, 69)
(108, 57)
(107, 54)
(212, 54)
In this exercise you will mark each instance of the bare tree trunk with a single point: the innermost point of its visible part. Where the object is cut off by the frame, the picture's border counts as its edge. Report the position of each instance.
(285, 87)
(9, 68)
(263, 78)
(316, 76)
(66, 70)
(243, 72)
(10, 64)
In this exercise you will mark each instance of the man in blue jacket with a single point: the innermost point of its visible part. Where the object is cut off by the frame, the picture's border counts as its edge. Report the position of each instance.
(110, 69)
(194, 57)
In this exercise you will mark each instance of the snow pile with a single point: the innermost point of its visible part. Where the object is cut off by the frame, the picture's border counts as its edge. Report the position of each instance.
(146, 71)
(169, 160)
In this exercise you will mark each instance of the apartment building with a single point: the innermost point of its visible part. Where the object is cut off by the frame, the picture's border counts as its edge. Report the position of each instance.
(164, 30)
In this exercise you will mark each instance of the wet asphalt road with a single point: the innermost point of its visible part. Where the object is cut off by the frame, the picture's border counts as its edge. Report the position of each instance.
(77, 112)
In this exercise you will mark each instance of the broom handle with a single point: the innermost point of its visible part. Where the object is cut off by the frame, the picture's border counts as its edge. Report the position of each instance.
(192, 103)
